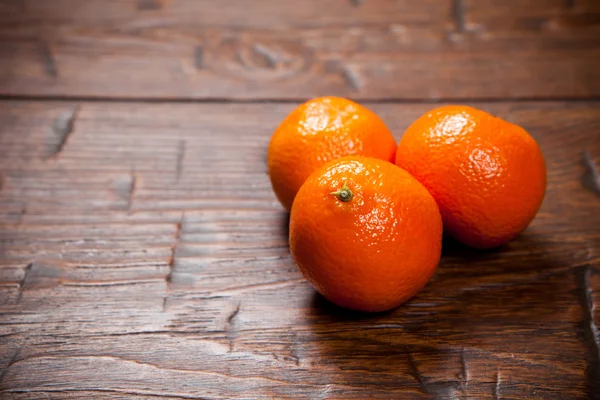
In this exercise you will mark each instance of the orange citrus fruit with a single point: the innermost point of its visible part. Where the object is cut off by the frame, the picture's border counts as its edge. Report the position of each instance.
(365, 233)
(318, 131)
(487, 175)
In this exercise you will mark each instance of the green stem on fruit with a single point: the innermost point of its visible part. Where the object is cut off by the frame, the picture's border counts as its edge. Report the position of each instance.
(344, 194)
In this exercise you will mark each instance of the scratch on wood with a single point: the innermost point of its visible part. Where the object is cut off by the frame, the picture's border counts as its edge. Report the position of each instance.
(496, 389)
(325, 393)
(48, 59)
(180, 158)
(23, 281)
(132, 189)
(591, 177)
(148, 5)
(352, 78)
(589, 329)
(124, 186)
(293, 354)
(234, 313)
(199, 57)
(62, 128)
(464, 371)
(292, 358)
(178, 229)
(458, 13)
(228, 327)
(414, 372)
(269, 55)
(10, 363)
(169, 277)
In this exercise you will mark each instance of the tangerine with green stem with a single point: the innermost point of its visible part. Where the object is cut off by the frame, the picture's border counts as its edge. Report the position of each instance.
(365, 233)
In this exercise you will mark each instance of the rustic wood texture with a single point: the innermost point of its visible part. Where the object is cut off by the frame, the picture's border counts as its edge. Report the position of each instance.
(274, 49)
(143, 254)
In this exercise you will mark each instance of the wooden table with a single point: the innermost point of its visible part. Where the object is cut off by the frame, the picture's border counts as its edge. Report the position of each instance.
(143, 254)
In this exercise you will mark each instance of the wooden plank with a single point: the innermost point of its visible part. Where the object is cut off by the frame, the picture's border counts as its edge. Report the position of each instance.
(145, 255)
(377, 49)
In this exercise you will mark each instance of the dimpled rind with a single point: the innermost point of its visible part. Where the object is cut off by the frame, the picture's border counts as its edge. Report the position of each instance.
(487, 175)
(375, 251)
(318, 131)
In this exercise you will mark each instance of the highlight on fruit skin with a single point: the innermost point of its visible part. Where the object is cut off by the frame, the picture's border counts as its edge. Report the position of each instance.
(321, 130)
(487, 175)
(365, 233)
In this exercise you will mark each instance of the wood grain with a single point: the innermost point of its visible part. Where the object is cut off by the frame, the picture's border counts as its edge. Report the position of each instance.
(145, 256)
(376, 49)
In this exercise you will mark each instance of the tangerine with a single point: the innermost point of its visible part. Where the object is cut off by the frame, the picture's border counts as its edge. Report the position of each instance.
(322, 130)
(487, 175)
(365, 233)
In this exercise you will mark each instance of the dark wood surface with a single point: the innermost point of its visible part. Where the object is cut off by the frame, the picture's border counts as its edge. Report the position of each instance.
(143, 254)
(275, 49)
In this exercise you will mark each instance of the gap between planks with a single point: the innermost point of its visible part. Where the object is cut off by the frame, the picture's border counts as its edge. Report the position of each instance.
(294, 100)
